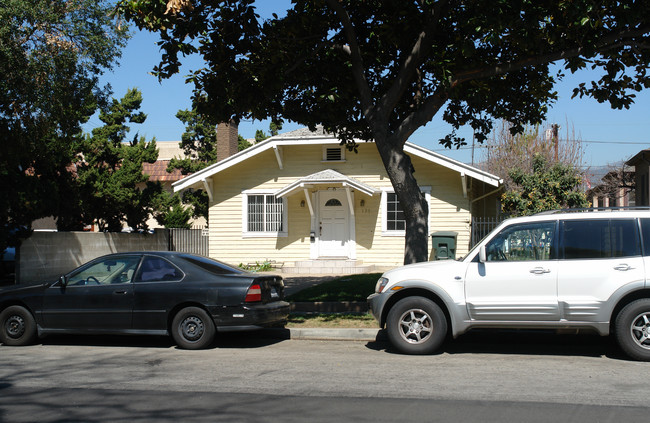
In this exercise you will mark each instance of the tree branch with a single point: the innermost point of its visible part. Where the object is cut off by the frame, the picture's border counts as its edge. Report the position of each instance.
(365, 94)
(619, 39)
(420, 117)
(413, 60)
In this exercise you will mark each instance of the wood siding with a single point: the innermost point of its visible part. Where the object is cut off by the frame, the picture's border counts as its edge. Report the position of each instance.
(449, 209)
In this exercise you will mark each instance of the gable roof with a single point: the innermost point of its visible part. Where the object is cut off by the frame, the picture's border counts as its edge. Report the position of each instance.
(304, 136)
(326, 176)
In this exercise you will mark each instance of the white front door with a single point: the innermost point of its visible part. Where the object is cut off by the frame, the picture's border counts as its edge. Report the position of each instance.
(333, 224)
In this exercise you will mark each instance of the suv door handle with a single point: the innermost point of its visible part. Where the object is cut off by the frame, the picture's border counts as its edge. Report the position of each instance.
(119, 292)
(623, 267)
(540, 271)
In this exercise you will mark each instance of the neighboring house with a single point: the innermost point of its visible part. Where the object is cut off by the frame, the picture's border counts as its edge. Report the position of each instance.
(301, 197)
(641, 164)
(157, 171)
(614, 189)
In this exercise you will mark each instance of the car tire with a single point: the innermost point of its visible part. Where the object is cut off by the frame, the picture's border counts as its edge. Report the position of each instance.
(633, 329)
(416, 325)
(17, 326)
(192, 329)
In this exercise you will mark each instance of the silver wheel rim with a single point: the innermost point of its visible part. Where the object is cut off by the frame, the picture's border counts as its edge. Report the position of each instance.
(640, 330)
(415, 326)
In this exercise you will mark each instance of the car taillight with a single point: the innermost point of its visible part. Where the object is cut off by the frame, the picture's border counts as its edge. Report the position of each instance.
(254, 294)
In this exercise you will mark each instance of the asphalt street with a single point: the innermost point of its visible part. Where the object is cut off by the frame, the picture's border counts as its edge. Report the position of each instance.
(248, 377)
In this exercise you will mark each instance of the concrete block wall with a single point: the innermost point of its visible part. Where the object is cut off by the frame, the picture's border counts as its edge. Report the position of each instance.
(47, 255)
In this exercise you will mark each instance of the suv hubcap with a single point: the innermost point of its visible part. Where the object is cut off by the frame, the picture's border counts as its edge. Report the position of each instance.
(415, 326)
(640, 330)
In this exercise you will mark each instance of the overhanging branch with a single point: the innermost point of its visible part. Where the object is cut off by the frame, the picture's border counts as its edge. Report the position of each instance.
(365, 94)
(620, 39)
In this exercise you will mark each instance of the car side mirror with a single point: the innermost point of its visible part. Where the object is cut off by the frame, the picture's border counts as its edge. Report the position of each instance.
(63, 281)
(482, 256)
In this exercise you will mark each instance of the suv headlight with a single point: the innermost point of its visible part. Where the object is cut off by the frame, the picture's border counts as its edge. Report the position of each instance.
(381, 284)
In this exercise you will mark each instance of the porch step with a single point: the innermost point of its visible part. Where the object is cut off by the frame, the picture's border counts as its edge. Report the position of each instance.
(328, 267)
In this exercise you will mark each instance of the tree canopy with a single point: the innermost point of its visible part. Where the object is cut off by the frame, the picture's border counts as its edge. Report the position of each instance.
(378, 70)
(504, 151)
(112, 186)
(52, 53)
(550, 186)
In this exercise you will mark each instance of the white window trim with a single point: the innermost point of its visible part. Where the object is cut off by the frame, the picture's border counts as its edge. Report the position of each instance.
(384, 211)
(244, 216)
(326, 147)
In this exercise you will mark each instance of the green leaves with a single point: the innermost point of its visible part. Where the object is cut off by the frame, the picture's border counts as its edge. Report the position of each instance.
(548, 187)
(51, 55)
(110, 179)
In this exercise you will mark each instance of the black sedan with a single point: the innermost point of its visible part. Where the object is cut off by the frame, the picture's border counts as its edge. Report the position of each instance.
(186, 296)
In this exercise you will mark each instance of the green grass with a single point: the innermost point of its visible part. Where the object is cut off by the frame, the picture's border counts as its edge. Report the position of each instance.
(345, 288)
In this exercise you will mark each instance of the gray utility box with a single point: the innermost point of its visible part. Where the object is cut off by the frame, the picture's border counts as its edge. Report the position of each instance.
(444, 243)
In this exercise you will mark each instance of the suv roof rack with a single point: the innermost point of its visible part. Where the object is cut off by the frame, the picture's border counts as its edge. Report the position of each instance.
(592, 209)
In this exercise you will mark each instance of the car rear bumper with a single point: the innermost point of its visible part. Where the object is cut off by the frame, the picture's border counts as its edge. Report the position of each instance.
(253, 316)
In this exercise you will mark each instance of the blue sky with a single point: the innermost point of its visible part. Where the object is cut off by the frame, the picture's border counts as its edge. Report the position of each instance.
(608, 136)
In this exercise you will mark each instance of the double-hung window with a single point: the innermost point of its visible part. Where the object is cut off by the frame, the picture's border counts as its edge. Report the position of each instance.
(393, 220)
(263, 215)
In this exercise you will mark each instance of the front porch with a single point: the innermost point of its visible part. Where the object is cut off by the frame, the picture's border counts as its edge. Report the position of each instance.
(328, 266)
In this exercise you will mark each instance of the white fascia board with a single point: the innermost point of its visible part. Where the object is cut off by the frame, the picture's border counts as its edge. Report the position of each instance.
(208, 172)
(270, 143)
(452, 164)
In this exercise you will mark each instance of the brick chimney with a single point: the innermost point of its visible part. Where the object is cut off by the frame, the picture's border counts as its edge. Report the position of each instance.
(227, 135)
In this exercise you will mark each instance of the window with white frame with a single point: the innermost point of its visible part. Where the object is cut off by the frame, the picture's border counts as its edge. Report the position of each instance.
(394, 214)
(263, 214)
(393, 220)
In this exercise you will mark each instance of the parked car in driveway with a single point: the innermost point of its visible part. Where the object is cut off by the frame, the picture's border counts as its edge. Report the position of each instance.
(189, 297)
(560, 270)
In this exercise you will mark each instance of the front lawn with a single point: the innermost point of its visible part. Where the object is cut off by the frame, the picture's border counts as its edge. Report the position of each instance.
(345, 288)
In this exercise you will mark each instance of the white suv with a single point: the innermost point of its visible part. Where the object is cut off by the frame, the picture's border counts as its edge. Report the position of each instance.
(577, 270)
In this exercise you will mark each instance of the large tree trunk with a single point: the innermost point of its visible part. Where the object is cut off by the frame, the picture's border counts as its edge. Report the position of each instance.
(413, 202)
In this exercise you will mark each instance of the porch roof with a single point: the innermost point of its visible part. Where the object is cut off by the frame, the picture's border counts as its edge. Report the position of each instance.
(325, 177)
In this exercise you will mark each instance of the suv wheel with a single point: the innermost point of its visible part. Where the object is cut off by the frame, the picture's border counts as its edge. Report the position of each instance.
(633, 329)
(416, 325)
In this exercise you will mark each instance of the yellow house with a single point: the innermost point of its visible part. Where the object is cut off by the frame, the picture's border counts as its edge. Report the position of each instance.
(303, 200)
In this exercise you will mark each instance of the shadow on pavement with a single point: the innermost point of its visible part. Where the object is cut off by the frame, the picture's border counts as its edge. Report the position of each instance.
(520, 342)
(248, 339)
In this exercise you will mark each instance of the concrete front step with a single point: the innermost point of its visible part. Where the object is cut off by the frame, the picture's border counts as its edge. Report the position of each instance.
(327, 267)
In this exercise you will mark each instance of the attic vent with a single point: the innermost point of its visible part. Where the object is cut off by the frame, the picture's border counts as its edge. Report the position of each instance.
(333, 154)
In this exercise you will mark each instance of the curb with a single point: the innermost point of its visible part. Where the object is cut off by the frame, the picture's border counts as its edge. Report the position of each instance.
(327, 334)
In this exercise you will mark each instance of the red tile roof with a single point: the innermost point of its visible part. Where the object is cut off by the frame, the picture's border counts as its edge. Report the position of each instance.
(158, 171)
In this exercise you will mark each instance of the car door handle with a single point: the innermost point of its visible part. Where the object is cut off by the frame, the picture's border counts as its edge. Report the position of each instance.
(623, 267)
(120, 292)
(540, 271)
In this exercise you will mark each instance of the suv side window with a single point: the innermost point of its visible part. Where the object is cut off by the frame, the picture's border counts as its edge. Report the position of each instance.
(600, 238)
(525, 242)
(645, 231)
